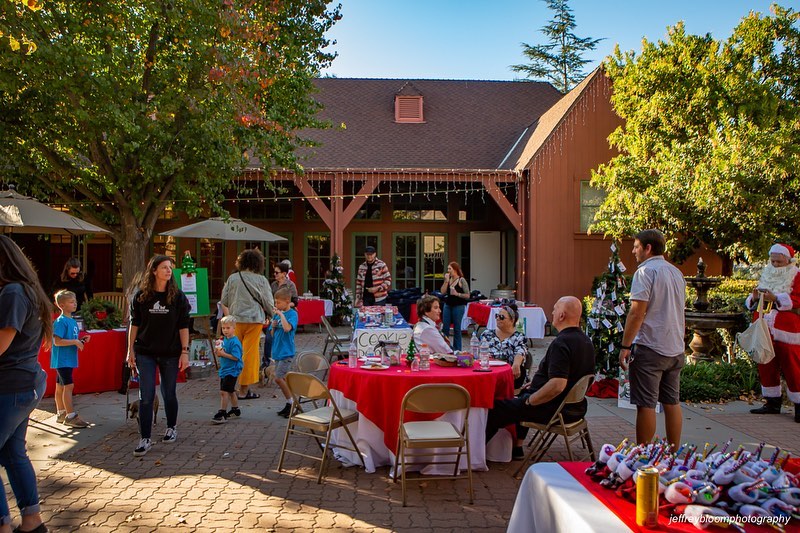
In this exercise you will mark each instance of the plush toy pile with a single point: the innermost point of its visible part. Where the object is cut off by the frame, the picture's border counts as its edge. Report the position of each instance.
(734, 487)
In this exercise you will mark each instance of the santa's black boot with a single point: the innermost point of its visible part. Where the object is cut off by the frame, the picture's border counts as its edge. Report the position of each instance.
(771, 407)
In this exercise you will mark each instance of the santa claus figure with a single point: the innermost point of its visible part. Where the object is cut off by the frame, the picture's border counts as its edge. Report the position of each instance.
(780, 286)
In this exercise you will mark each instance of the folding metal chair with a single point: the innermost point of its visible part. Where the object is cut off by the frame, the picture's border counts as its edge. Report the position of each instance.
(339, 343)
(433, 398)
(546, 434)
(318, 423)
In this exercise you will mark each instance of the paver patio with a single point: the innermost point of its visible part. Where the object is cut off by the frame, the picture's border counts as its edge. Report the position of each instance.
(224, 477)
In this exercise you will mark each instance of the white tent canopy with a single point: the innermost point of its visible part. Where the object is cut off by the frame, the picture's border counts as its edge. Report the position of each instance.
(218, 228)
(21, 214)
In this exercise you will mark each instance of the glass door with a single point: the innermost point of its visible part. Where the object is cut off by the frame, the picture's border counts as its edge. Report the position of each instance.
(434, 257)
(360, 242)
(318, 259)
(406, 260)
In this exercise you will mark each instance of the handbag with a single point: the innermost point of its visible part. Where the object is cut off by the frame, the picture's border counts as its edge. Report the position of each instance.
(756, 340)
(267, 312)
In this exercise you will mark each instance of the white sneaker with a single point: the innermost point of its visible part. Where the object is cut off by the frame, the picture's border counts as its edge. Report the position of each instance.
(170, 436)
(143, 447)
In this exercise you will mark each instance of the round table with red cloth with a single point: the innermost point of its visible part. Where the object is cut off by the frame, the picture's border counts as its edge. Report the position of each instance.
(379, 393)
(310, 311)
(99, 363)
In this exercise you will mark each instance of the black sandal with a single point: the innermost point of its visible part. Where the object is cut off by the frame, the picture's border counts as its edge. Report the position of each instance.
(249, 396)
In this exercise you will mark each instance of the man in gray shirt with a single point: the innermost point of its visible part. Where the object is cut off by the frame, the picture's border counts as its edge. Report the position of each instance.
(652, 345)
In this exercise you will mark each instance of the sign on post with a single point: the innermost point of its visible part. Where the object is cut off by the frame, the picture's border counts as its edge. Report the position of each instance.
(195, 286)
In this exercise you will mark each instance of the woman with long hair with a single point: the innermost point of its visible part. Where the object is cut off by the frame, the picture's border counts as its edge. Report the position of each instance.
(25, 321)
(158, 338)
(456, 295)
(248, 297)
(74, 279)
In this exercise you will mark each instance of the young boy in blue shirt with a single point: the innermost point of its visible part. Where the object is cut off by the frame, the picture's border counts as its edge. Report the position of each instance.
(230, 366)
(284, 326)
(64, 358)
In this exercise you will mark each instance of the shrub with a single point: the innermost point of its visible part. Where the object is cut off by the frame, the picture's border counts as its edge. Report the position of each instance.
(707, 381)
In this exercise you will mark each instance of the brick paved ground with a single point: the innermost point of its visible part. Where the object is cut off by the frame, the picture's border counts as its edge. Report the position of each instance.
(224, 478)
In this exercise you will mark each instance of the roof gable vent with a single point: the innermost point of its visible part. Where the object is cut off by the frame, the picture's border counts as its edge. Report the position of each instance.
(408, 105)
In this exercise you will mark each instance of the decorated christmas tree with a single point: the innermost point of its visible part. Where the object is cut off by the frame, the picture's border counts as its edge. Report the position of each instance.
(605, 323)
(333, 289)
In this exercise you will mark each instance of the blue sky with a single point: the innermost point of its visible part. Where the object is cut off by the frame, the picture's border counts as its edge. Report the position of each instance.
(479, 39)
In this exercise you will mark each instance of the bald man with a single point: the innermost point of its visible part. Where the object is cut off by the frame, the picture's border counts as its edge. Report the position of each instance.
(569, 358)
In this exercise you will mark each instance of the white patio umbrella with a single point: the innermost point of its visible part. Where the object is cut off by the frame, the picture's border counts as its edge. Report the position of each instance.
(217, 228)
(22, 214)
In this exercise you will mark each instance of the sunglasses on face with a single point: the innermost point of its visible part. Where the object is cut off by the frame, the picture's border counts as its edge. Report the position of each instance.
(501, 317)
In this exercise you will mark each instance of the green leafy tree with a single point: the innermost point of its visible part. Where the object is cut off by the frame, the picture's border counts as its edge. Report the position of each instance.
(128, 107)
(710, 147)
(605, 322)
(561, 60)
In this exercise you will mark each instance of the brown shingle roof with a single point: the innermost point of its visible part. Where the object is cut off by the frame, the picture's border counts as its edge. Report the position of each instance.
(468, 124)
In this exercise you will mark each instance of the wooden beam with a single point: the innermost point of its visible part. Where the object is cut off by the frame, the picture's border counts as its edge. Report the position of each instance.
(311, 196)
(502, 202)
(358, 202)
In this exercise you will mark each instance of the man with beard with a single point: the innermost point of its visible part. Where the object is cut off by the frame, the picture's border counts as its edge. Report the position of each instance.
(652, 344)
(780, 285)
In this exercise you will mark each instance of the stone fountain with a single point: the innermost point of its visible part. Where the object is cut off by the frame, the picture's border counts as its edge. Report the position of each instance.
(703, 322)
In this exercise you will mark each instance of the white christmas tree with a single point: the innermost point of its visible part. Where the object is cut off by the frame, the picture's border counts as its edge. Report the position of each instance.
(333, 289)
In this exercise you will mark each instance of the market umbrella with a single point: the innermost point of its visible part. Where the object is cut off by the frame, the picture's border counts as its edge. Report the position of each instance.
(218, 228)
(21, 214)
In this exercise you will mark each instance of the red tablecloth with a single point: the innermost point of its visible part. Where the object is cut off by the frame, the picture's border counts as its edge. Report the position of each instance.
(626, 510)
(479, 313)
(100, 364)
(379, 393)
(310, 312)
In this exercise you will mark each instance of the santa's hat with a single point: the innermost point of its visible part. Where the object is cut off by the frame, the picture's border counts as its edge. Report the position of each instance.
(783, 249)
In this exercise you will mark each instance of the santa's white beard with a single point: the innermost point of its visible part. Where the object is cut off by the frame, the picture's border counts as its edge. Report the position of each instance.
(779, 280)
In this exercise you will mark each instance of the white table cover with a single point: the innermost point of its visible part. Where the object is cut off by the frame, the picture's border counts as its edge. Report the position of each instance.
(550, 500)
(365, 339)
(369, 439)
(533, 318)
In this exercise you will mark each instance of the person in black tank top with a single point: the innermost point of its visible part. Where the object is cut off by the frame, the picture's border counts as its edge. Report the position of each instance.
(456, 295)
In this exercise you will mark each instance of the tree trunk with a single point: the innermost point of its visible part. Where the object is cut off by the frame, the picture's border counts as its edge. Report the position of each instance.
(727, 265)
(133, 246)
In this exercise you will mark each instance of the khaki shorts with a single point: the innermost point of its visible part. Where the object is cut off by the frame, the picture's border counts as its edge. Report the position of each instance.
(654, 377)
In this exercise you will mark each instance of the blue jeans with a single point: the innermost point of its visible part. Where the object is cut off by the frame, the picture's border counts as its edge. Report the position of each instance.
(168, 368)
(15, 408)
(454, 314)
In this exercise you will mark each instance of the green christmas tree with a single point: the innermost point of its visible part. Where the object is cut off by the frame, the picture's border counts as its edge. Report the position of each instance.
(411, 351)
(333, 289)
(605, 322)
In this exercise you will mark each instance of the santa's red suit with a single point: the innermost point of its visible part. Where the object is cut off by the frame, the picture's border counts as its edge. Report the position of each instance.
(784, 325)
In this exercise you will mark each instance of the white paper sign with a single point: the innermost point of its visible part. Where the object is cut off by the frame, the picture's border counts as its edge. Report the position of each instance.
(614, 296)
(193, 303)
(620, 309)
(613, 247)
(599, 292)
(606, 323)
(611, 347)
(621, 267)
(620, 329)
(624, 393)
(367, 339)
(593, 322)
(189, 284)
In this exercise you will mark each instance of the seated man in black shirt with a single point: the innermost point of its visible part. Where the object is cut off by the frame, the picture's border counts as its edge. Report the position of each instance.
(569, 358)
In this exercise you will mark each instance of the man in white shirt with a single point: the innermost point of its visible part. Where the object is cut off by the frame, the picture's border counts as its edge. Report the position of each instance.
(427, 331)
(653, 345)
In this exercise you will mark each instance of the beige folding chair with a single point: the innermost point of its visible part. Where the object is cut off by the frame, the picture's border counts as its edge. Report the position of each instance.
(317, 424)
(433, 398)
(314, 364)
(546, 434)
(339, 343)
